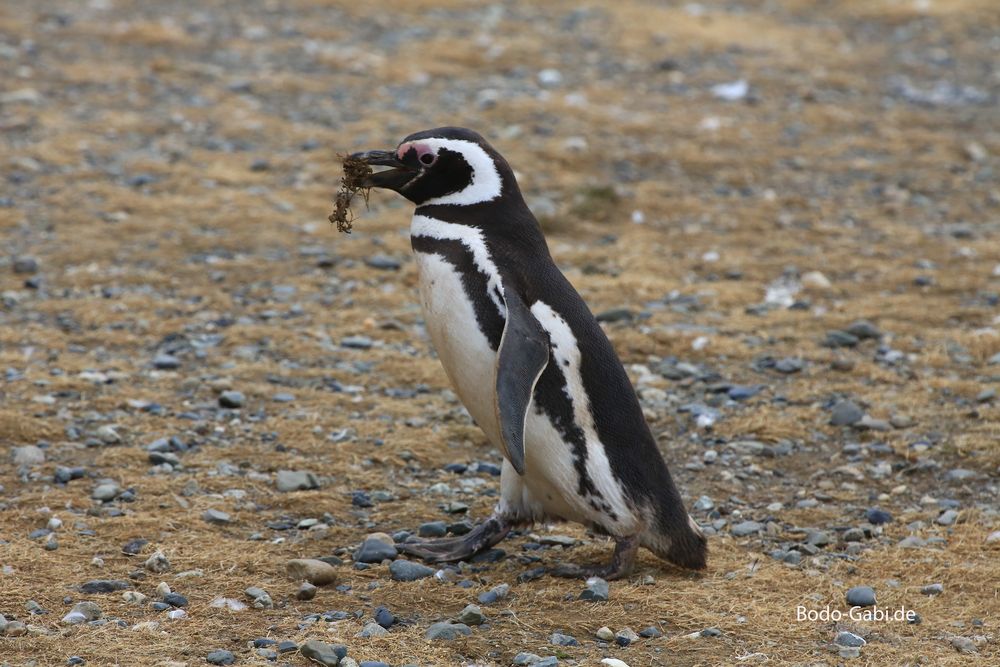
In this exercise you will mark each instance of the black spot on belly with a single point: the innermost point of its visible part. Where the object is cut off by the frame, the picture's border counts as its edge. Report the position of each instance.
(475, 283)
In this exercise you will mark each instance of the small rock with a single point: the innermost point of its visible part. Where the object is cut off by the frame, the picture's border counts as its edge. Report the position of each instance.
(959, 475)
(559, 639)
(863, 329)
(231, 399)
(816, 280)
(615, 315)
(597, 590)
(166, 362)
(357, 342)
(82, 612)
(526, 659)
(745, 528)
(947, 518)
(329, 655)
(157, 563)
(964, 645)
(216, 516)
(28, 455)
(372, 629)
(134, 597)
(877, 517)
(849, 639)
(15, 629)
(260, 597)
(383, 262)
(845, 413)
(384, 617)
(606, 634)
(932, 589)
(993, 537)
(105, 492)
(861, 596)
(912, 542)
(25, 265)
(375, 550)
(652, 632)
(175, 600)
(104, 586)
(626, 636)
(433, 529)
(471, 615)
(789, 365)
(495, 594)
(306, 591)
(220, 657)
(316, 572)
(838, 338)
(406, 570)
(447, 631)
(296, 480)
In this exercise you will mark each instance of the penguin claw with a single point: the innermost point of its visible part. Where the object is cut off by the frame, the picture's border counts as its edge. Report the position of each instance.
(622, 562)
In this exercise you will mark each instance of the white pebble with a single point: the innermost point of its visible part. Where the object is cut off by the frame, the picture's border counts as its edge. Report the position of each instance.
(175, 614)
(162, 589)
(55, 523)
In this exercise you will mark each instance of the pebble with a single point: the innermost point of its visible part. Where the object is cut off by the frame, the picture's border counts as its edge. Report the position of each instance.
(471, 615)
(104, 586)
(605, 634)
(368, 663)
(993, 537)
(494, 595)
(306, 591)
(28, 455)
(216, 516)
(406, 570)
(613, 662)
(134, 597)
(375, 549)
(64, 475)
(323, 653)
(964, 645)
(384, 617)
(166, 362)
(863, 329)
(597, 590)
(845, 413)
(947, 518)
(314, 571)
(849, 639)
(383, 262)
(157, 563)
(260, 597)
(523, 659)
(372, 629)
(25, 265)
(652, 632)
(959, 475)
(912, 542)
(837, 338)
(877, 517)
(626, 636)
(220, 657)
(745, 528)
(231, 399)
(932, 589)
(433, 529)
(861, 596)
(447, 631)
(105, 492)
(357, 342)
(82, 612)
(295, 480)
(789, 365)
(559, 639)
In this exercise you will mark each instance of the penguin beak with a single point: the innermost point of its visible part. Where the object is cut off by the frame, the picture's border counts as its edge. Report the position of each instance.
(395, 178)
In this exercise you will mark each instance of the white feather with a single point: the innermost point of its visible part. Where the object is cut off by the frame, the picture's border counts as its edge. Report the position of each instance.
(486, 184)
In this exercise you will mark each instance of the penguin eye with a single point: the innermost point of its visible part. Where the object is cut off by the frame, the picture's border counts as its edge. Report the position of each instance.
(428, 159)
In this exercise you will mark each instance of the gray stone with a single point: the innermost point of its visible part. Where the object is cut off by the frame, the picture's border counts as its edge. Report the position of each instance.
(964, 645)
(495, 594)
(947, 518)
(166, 362)
(471, 615)
(406, 570)
(314, 571)
(82, 612)
(216, 516)
(433, 529)
(231, 399)
(932, 589)
(993, 537)
(863, 329)
(105, 492)
(745, 528)
(789, 365)
(837, 338)
(104, 586)
(28, 455)
(912, 542)
(374, 550)
(296, 480)
(959, 475)
(849, 639)
(861, 596)
(526, 659)
(560, 639)
(25, 265)
(372, 629)
(260, 598)
(597, 590)
(383, 262)
(220, 657)
(845, 413)
(306, 591)
(447, 631)
(157, 563)
(357, 342)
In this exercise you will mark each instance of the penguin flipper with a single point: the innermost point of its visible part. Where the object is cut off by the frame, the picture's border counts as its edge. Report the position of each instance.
(523, 355)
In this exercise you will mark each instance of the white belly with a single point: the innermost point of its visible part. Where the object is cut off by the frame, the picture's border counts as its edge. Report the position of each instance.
(463, 349)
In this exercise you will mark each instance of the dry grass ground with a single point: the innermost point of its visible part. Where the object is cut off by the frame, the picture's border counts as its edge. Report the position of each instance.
(171, 165)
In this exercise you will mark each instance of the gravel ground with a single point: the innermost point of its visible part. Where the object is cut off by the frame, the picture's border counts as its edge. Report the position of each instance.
(787, 215)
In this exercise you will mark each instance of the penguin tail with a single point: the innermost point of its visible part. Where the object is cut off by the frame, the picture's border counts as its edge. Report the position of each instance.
(677, 539)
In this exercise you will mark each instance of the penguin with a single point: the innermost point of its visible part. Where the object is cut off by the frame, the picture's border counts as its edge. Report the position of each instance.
(530, 363)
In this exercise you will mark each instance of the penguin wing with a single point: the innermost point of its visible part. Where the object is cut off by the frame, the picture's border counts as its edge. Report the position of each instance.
(523, 355)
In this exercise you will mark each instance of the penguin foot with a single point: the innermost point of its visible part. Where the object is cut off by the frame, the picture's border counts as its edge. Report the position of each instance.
(621, 565)
(452, 549)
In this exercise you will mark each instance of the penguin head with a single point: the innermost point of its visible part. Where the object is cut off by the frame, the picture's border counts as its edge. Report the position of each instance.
(446, 165)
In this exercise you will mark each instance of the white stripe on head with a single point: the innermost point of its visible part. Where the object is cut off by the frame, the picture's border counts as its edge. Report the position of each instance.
(486, 183)
(472, 239)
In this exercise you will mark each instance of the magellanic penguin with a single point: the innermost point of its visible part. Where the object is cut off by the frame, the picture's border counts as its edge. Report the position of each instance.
(529, 361)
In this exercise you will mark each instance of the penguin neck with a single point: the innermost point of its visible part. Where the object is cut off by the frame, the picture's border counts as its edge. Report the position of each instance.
(506, 217)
